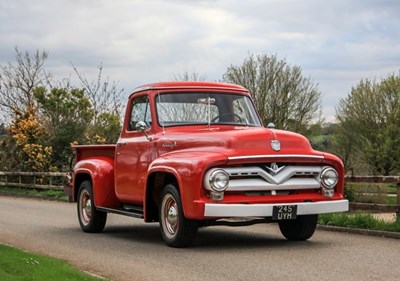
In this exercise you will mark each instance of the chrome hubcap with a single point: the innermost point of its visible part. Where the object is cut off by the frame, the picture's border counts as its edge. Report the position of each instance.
(86, 207)
(170, 212)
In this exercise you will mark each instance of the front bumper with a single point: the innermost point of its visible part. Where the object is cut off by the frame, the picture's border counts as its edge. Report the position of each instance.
(265, 210)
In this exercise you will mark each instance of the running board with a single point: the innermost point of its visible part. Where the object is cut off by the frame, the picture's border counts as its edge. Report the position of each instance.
(136, 212)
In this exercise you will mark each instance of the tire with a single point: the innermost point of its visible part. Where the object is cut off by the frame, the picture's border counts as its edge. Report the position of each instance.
(299, 229)
(176, 230)
(90, 219)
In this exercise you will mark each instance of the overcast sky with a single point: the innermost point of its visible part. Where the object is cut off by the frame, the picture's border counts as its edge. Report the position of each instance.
(336, 43)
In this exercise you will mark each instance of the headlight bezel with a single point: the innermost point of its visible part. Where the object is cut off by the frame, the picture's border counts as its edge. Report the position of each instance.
(216, 177)
(329, 178)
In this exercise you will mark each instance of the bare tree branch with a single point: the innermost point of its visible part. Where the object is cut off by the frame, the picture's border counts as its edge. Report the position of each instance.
(17, 81)
(104, 95)
(189, 76)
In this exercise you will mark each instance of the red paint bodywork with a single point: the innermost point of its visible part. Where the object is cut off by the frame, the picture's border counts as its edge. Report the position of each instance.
(130, 171)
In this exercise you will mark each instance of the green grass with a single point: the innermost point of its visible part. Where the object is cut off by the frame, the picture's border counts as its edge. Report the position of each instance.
(17, 265)
(50, 193)
(358, 220)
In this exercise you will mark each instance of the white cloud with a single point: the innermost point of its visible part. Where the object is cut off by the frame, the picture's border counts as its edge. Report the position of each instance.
(336, 43)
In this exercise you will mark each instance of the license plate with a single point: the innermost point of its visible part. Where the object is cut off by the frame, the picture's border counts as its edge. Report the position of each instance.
(284, 212)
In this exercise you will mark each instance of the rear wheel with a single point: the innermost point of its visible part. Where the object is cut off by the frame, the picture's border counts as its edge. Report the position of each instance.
(299, 229)
(176, 230)
(90, 219)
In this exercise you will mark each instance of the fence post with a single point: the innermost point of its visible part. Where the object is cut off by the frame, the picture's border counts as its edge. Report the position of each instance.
(398, 202)
(398, 194)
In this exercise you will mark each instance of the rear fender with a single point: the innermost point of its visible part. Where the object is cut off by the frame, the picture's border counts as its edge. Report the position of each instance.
(101, 173)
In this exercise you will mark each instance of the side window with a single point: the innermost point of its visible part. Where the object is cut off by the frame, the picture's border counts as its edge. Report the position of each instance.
(140, 112)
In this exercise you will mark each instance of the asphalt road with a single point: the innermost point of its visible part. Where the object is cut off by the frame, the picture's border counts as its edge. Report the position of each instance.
(129, 249)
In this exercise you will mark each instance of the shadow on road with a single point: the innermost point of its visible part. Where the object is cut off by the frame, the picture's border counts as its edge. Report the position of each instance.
(143, 233)
(236, 239)
(216, 238)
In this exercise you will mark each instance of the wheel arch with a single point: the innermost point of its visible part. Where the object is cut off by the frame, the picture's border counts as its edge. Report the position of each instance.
(156, 181)
(186, 171)
(79, 178)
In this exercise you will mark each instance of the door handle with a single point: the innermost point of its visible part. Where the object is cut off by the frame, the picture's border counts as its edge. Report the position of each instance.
(121, 143)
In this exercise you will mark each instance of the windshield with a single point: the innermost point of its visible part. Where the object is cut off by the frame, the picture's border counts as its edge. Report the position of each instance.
(174, 109)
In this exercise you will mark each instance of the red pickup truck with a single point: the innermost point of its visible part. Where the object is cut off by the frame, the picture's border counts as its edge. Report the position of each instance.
(195, 154)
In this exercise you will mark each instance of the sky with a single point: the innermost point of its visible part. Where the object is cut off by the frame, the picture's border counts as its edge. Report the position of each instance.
(336, 43)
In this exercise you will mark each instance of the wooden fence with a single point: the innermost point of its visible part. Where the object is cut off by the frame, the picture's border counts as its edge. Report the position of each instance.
(36, 180)
(49, 180)
(377, 179)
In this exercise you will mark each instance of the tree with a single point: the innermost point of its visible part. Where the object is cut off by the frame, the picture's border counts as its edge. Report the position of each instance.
(281, 93)
(106, 130)
(43, 118)
(67, 116)
(106, 100)
(344, 144)
(2, 130)
(369, 118)
(103, 95)
(28, 151)
(3, 145)
(189, 76)
(17, 81)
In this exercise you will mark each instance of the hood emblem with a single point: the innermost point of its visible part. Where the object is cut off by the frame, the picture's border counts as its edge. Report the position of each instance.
(275, 168)
(276, 145)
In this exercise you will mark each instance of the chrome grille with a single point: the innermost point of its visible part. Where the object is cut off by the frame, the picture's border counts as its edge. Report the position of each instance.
(258, 179)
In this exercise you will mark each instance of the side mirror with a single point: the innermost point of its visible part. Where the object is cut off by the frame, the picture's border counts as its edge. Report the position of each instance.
(142, 126)
(271, 126)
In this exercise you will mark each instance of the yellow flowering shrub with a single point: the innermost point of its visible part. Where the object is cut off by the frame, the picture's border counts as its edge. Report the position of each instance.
(38, 156)
(28, 132)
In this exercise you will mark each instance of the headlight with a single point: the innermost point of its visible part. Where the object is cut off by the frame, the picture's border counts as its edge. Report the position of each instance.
(329, 178)
(218, 180)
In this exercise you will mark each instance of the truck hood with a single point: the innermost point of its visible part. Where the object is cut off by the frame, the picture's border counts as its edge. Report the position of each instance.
(236, 142)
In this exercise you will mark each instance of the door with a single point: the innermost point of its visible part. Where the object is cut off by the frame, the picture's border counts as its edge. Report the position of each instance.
(133, 153)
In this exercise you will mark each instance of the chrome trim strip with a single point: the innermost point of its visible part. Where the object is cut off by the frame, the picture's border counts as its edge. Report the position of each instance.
(265, 210)
(276, 156)
(261, 185)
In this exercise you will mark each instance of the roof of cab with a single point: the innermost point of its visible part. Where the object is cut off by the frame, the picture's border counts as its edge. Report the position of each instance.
(189, 85)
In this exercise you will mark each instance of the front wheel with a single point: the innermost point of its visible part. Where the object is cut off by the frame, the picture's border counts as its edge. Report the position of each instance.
(90, 219)
(299, 229)
(176, 230)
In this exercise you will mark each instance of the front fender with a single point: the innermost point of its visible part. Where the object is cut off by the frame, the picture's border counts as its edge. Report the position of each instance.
(337, 163)
(188, 169)
(101, 173)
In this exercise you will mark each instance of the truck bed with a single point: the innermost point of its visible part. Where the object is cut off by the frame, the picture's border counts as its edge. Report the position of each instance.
(95, 150)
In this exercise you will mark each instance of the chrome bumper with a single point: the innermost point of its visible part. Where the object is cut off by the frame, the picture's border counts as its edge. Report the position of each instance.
(265, 210)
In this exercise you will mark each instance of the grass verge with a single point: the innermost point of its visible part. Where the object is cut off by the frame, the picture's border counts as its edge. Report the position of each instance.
(16, 265)
(363, 221)
(46, 193)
